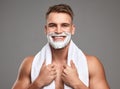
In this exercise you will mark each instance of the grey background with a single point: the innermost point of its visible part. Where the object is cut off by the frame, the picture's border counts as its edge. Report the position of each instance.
(22, 33)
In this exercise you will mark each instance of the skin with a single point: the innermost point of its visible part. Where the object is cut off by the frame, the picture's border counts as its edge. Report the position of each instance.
(59, 71)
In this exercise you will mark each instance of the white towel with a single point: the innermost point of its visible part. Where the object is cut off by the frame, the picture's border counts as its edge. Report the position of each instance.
(74, 53)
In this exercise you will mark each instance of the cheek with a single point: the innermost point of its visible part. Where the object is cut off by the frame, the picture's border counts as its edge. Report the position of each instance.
(67, 29)
(50, 30)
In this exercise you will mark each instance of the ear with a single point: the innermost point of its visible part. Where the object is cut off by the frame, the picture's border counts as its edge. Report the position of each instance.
(45, 29)
(73, 29)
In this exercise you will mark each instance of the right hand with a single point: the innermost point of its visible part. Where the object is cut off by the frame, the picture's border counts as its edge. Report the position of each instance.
(47, 74)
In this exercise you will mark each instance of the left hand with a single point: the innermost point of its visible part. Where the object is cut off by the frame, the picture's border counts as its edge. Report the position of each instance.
(70, 75)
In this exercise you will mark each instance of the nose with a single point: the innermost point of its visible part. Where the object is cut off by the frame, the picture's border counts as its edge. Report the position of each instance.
(58, 30)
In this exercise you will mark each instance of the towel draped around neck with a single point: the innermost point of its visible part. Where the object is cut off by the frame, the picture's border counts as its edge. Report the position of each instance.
(74, 53)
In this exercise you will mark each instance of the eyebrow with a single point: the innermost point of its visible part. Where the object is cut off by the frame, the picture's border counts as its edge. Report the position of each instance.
(51, 23)
(56, 24)
(65, 23)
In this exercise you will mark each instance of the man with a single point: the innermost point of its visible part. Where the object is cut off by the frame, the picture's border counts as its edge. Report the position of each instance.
(58, 73)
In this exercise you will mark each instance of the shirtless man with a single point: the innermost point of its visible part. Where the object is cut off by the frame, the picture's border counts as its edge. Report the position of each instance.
(59, 19)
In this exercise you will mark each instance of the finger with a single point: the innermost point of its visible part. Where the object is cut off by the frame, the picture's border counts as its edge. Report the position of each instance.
(72, 64)
(54, 76)
(63, 78)
(53, 72)
(64, 66)
(63, 74)
(52, 65)
(44, 63)
(53, 69)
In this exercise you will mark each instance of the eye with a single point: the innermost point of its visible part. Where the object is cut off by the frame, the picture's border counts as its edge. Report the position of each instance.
(65, 25)
(51, 25)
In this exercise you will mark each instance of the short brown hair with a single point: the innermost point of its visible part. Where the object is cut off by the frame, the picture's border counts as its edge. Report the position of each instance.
(60, 8)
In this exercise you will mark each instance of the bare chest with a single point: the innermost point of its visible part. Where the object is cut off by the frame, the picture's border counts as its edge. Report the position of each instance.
(58, 81)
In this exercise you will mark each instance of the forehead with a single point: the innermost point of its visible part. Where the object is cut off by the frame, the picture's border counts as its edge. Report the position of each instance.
(59, 18)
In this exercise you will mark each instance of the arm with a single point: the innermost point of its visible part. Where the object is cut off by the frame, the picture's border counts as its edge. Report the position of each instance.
(45, 77)
(97, 78)
(23, 80)
(97, 74)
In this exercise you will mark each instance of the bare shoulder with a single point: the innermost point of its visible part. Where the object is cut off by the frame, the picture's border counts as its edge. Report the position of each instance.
(26, 65)
(96, 73)
(23, 79)
(91, 58)
(94, 64)
(27, 62)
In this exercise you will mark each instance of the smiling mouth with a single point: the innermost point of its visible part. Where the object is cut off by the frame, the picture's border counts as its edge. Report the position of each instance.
(58, 38)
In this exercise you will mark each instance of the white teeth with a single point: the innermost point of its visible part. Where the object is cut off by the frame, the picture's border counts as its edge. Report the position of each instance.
(58, 37)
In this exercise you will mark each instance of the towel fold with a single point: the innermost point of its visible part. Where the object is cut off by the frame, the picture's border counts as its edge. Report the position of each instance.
(74, 53)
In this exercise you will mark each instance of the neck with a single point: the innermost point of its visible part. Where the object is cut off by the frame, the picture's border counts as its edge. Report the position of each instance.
(60, 54)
